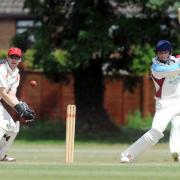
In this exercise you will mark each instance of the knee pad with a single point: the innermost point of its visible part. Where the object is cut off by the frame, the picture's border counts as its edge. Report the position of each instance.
(153, 136)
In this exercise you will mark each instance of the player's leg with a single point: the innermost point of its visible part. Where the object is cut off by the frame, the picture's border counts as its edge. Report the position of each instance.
(174, 140)
(149, 139)
(8, 140)
(2, 133)
(10, 130)
(160, 121)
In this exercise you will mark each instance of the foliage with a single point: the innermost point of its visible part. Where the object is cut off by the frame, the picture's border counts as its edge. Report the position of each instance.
(155, 5)
(87, 28)
(60, 57)
(80, 36)
(22, 40)
(3, 54)
(135, 121)
(43, 130)
(28, 58)
(142, 59)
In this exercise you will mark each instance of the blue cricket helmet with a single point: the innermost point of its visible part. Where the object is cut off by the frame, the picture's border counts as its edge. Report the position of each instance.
(163, 45)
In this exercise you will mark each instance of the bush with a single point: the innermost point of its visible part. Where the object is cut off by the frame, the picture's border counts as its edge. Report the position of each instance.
(135, 121)
(3, 54)
(142, 59)
(43, 130)
(28, 58)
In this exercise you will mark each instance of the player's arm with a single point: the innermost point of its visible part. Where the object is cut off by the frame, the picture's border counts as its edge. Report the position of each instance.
(21, 107)
(9, 97)
(160, 71)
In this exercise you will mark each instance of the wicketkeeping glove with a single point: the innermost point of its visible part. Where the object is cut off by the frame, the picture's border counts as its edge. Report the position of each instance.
(25, 111)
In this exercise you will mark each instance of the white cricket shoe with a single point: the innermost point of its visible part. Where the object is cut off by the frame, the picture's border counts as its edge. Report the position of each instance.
(125, 159)
(176, 156)
(8, 159)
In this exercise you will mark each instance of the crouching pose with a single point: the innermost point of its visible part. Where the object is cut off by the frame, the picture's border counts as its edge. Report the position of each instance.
(165, 72)
(9, 81)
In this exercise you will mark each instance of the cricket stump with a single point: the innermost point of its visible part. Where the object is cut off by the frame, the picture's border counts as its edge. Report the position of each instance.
(70, 133)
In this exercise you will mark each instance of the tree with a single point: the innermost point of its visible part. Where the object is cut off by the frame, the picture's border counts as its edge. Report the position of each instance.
(83, 36)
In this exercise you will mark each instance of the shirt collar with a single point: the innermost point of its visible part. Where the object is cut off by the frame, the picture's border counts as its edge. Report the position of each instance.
(13, 72)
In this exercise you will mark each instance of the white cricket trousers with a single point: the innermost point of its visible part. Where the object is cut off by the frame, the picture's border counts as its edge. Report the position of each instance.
(162, 117)
(165, 115)
(166, 112)
(174, 140)
(8, 130)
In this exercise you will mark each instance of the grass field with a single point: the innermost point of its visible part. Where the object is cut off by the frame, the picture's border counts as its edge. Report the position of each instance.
(45, 161)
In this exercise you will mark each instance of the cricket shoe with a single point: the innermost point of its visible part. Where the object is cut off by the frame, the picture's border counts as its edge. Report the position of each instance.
(8, 159)
(176, 156)
(125, 159)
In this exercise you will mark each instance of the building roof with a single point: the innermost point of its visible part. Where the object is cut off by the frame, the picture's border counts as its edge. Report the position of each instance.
(12, 8)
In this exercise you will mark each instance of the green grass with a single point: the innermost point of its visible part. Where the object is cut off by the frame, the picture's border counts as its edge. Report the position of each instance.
(42, 160)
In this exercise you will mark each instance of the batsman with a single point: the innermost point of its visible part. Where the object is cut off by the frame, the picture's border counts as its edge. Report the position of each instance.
(9, 82)
(165, 72)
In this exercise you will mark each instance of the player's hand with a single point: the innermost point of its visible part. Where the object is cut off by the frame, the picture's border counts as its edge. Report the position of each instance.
(25, 111)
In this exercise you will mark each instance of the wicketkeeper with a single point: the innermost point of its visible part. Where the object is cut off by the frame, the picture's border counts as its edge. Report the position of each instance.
(9, 81)
(165, 72)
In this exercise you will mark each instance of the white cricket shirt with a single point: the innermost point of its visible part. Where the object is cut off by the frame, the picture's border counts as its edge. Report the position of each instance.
(9, 78)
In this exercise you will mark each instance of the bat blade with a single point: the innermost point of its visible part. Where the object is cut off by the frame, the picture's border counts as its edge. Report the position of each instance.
(179, 15)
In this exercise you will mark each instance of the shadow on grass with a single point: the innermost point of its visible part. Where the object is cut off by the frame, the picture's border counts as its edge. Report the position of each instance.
(56, 131)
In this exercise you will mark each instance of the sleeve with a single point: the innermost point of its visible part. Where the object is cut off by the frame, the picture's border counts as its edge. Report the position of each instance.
(3, 82)
(15, 84)
(160, 71)
(178, 60)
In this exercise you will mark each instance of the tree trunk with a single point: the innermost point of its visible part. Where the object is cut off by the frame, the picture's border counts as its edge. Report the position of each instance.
(89, 97)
